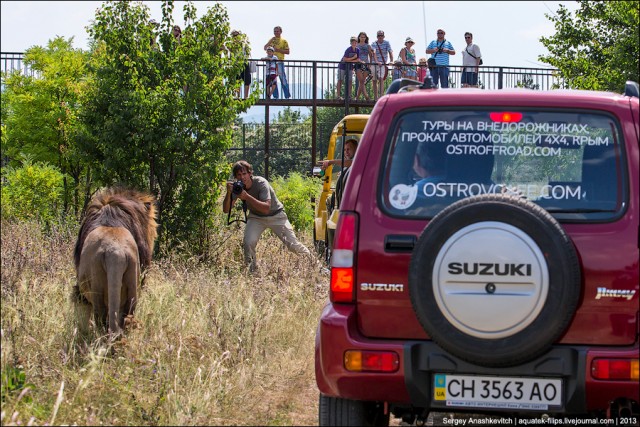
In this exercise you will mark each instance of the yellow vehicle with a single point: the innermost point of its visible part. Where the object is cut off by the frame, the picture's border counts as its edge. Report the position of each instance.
(326, 209)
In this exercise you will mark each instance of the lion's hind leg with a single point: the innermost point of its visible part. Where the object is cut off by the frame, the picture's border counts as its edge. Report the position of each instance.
(82, 310)
(131, 280)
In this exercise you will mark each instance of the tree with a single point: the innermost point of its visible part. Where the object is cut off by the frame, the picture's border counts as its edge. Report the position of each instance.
(598, 48)
(40, 113)
(162, 114)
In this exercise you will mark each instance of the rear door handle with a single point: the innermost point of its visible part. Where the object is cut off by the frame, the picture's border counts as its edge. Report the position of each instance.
(399, 243)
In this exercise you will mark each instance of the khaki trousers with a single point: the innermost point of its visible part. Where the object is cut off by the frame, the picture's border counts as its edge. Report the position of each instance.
(280, 226)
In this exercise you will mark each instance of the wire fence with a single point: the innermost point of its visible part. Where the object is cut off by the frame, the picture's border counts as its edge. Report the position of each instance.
(289, 150)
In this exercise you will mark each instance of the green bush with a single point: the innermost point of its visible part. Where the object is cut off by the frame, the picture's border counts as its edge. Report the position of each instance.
(295, 193)
(32, 191)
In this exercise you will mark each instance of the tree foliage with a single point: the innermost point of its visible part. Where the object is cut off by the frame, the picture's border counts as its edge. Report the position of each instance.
(162, 113)
(598, 47)
(40, 113)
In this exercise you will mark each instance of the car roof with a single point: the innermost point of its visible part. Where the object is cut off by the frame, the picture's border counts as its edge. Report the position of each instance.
(354, 123)
(505, 97)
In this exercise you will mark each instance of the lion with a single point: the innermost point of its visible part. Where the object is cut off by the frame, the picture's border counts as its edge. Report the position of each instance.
(114, 246)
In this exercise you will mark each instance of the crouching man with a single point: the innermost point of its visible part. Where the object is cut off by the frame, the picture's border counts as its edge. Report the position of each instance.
(265, 211)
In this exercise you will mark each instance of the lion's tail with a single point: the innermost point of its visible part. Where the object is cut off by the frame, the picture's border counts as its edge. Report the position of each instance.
(116, 267)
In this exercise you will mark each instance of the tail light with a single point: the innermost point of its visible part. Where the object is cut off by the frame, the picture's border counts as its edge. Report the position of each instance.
(615, 369)
(342, 258)
(371, 361)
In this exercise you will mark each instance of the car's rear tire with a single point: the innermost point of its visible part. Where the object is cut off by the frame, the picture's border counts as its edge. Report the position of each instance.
(335, 411)
(468, 304)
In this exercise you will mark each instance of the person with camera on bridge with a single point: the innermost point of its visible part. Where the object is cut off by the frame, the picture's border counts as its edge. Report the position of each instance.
(265, 211)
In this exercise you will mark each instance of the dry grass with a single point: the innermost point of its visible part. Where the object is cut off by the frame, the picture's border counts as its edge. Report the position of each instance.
(210, 345)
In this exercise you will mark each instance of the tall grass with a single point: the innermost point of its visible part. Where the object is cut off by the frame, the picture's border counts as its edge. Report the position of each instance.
(211, 345)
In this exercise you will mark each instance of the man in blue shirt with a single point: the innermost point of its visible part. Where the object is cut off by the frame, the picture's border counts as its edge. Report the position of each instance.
(440, 49)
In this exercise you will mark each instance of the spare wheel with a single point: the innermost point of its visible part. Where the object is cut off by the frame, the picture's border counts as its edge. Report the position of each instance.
(494, 280)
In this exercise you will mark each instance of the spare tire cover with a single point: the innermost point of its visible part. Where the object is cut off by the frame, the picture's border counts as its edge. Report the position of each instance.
(494, 280)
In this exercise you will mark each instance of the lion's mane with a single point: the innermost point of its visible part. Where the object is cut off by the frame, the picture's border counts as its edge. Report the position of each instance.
(121, 207)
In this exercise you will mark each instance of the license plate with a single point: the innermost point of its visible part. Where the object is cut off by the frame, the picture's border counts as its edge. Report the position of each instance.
(497, 392)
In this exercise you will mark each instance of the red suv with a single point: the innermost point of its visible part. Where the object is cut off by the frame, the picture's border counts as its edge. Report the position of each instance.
(486, 259)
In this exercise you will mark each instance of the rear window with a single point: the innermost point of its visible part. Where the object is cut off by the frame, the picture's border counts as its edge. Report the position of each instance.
(569, 163)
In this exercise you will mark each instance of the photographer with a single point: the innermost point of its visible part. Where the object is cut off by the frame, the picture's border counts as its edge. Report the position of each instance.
(265, 211)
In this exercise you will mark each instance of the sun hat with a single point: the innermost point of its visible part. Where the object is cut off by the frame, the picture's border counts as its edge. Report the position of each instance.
(270, 48)
(409, 40)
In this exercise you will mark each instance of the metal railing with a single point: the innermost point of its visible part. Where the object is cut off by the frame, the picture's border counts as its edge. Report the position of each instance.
(14, 61)
(317, 80)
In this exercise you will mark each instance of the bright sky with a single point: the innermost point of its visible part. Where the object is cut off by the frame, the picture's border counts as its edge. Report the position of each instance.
(507, 32)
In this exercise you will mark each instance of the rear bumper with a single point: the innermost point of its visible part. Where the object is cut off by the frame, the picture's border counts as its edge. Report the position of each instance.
(337, 332)
(412, 383)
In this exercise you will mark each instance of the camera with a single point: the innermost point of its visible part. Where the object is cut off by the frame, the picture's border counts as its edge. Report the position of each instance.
(238, 186)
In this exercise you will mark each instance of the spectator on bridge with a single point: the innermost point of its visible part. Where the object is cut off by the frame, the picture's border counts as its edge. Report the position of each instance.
(245, 75)
(398, 69)
(363, 70)
(423, 70)
(177, 33)
(154, 35)
(470, 61)
(381, 50)
(351, 55)
(281, 48)
(408, 56)
(271, 73)
(440, 49)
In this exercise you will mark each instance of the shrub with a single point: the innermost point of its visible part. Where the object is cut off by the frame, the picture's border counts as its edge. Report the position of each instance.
(295, 193)
(32, 191)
